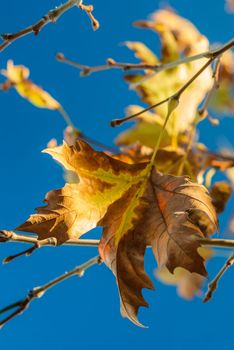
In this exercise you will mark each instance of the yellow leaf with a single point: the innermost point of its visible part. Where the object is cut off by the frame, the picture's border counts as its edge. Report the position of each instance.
(146, 131)
(16, 74)
(179, 38)
(142, 52)
(36, 95)
(18, 77)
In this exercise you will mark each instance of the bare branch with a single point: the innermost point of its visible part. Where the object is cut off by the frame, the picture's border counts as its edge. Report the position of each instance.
(112, 64)
(38, 292)
(10, 236)
(51, 17)
(214, 284)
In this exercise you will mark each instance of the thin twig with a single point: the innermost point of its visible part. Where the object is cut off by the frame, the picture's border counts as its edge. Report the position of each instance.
(11, 236)
(51, 17)
(38, 292)
(214, 284)
(176, 96)
(208, 54)
(112, 64)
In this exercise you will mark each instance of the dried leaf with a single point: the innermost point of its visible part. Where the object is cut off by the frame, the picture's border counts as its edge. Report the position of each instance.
(76, 208)
(179, 38)
(137, 206)
(188, 284)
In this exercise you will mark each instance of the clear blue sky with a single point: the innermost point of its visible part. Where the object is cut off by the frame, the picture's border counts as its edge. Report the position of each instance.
(84, 313)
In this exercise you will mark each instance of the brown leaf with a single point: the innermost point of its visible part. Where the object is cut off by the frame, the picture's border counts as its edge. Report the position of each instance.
(220, 194)
(137, 206)
(188, 284)
(154, 213)
(77, 207)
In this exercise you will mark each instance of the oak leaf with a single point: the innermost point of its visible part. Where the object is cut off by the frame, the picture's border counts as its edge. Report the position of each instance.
(136, 206)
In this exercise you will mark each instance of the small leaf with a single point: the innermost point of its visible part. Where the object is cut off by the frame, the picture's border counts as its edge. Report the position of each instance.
(220, 194)
(18, 77)
(142, 52)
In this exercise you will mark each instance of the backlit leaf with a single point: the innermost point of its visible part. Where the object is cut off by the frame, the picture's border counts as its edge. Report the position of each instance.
(18, 78)
(136, 206)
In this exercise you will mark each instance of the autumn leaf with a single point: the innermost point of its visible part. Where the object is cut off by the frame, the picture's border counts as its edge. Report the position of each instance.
(230, 5)
(188, 284)
(145, 131)
(220, 194)
(18, 77)
(136, 206)
(223, 98)
(142, 52)
(179, 39)
(78, 207)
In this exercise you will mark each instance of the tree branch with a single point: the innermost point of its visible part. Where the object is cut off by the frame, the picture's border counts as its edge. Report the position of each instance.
(51, 17)
(38, 292)
(176, 96)
(10, 236)
(214, 284)
(157, 68)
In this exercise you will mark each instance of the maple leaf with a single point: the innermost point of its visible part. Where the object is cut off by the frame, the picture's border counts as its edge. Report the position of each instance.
(78, 207)
(18, 78)
(136, 206)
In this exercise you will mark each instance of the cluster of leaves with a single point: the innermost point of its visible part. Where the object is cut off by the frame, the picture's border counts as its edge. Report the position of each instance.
(148, 194)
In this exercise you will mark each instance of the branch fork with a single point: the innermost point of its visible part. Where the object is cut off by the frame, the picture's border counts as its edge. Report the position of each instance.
(51, 17)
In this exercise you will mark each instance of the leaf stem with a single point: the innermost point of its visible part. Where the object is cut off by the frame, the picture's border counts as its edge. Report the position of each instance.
(172, 104)
(78, 134)
(67, 119)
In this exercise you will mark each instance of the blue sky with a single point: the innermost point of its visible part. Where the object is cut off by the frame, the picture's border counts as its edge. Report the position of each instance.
(84, 313)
